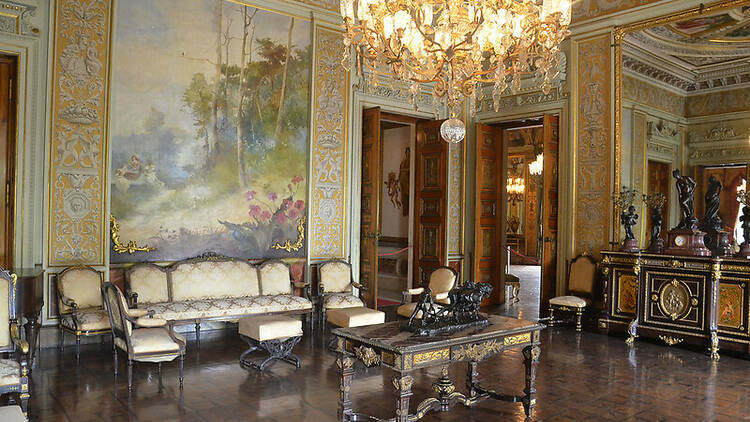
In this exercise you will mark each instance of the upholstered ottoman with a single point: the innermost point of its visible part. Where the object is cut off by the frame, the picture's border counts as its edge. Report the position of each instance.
(12, 414)
(275, 334)
(353, 317)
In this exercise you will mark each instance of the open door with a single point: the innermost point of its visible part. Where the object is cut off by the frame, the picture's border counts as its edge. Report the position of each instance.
(372, 180)
(549, 212)
(430, 216)
(8, 65)
(489, 208)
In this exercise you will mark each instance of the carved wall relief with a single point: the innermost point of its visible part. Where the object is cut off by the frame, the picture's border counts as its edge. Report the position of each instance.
(78, 146)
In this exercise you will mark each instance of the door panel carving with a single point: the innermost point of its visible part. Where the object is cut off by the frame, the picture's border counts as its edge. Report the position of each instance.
(370, 200)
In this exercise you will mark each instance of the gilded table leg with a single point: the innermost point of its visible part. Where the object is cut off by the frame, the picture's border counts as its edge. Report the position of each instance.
(346, 370)
(531, 359)
(472, 378)
(713, 348)
(403, 385)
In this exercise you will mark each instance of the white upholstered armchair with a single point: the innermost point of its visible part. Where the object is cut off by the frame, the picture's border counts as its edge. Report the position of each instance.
(80, 305)
(142, 337)
(335, 287)
(442, 280)
(14, 378)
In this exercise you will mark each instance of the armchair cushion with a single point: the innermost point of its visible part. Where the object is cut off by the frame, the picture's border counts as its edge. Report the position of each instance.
(208, 308)
(153, 340)
(10, 372)
(215, 279)
(270, 327)
(4, 313)
(87, 319)
(417, 291)
(341, 300)
(149, 282)
(275, 279)
(572, 301)
(83, 285)
(150, 322)
(336, 277)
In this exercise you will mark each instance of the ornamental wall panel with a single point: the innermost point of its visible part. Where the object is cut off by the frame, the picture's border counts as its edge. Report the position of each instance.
(593, 149)
(455, 198)
(78, 150)
(328, 201)
(640, 91)
(589, 9)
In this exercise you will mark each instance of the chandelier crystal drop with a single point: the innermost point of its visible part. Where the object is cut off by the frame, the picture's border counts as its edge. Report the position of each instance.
(536, 166)
(456, 45)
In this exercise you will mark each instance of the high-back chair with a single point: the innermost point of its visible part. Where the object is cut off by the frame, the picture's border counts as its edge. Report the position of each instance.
(336, 287)
(80, 304)
(442, 280)
(581, 282)
(14, 378)
(142, 337)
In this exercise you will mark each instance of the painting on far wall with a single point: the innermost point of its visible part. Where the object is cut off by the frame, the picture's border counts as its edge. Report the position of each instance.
(209, 128)
(524, 136)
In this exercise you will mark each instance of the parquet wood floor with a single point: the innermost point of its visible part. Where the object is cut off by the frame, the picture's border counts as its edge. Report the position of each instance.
(585, 377)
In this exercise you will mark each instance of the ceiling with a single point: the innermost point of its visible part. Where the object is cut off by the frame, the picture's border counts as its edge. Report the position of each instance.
(695, 54)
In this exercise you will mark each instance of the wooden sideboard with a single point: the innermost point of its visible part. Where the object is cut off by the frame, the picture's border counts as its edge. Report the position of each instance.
(695, 300)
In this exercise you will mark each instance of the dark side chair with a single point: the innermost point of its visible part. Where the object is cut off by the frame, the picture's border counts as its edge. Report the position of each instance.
(14, 378)
(581, 281)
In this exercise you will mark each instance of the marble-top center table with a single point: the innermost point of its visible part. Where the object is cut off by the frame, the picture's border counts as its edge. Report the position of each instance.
(390, 345)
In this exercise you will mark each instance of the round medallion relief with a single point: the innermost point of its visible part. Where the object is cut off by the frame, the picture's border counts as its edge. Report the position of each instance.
(674, 299)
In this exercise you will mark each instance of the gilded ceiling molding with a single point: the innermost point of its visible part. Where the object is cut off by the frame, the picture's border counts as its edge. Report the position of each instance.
(589, 9)
(332, 5)
(642, 92)
(78, 155)
(328, 192)
(593, 167)
(718, 103)
(15, 18)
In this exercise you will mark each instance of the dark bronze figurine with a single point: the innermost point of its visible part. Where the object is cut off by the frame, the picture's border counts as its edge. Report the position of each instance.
(745, 219)
(656, 223)
(686, 192)
(711, 220)
(629, 219)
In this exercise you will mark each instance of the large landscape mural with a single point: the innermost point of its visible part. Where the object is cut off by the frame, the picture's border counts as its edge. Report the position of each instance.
(209, 126)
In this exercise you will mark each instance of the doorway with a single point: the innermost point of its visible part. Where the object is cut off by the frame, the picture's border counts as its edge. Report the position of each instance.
(8, 69)
(529, 212)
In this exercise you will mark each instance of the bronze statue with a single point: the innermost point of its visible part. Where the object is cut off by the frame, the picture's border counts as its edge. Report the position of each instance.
(656, 223)
(629, 219)
(711, 220)
(431, 319)
(686, 193)
(745, 219)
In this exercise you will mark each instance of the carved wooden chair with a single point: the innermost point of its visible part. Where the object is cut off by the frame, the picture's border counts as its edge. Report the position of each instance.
(581, 281)
(442, 280)
(80, 305)
(335, 287)
(142, 337)
(14, 378)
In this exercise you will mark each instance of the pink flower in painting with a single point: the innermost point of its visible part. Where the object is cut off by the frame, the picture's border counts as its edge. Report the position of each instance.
(297, 179)
(272, 196)
(300, 204)
(279, 218)
(293, 213)
(255, 211)
(289, 186)
(250, 195)
(265, 216)
(285, 204)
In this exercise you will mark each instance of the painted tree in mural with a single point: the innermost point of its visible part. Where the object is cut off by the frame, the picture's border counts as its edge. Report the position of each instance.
(243, 87)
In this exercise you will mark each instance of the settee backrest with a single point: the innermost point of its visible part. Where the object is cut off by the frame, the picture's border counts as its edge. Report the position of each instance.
(213, 278)
(149, 281)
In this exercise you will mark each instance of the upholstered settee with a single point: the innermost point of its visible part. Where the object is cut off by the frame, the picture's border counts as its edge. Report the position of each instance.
(214, 288)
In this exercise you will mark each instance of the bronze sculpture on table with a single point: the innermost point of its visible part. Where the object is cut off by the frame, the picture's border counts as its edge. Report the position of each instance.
(744, 199)
(655, 202)
(629, 219)
(686, 239)
(462, 312)
(716, 239)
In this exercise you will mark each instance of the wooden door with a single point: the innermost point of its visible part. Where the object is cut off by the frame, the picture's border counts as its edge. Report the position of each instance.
(372, 180)
(7, 157)
(490, 210)
(659, 180)
(430, 216)
(549, 211)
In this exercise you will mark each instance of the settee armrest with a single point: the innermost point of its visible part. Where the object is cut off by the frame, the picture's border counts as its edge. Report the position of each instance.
(149, 322)
(132, 298)
(304, 286)
(361, 289)
(138, 313)
(15, 337)
(411, 292)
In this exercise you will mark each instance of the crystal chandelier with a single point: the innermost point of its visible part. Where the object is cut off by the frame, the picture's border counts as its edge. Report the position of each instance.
(456, 45)
(536, 166)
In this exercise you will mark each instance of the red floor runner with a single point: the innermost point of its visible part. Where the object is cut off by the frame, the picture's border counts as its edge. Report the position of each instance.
(385, 302)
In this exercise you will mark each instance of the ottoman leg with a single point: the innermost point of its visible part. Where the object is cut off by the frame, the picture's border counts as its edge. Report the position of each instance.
(277, 349)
